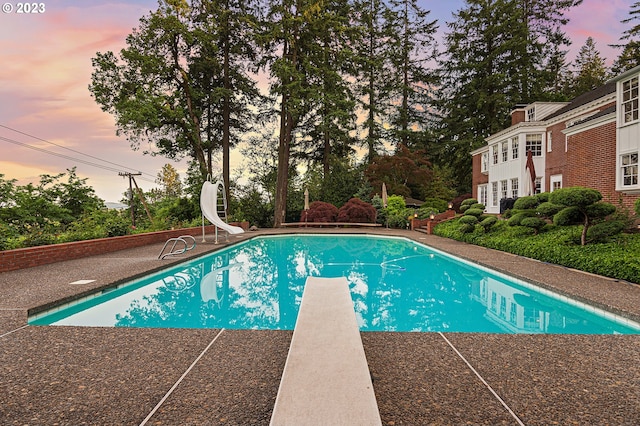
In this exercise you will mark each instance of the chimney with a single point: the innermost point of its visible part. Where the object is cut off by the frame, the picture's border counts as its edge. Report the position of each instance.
(518, 114)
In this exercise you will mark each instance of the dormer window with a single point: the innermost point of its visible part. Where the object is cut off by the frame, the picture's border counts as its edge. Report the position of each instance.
(531, 114)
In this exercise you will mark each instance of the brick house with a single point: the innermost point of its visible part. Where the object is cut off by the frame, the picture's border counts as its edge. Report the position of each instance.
(591, 141)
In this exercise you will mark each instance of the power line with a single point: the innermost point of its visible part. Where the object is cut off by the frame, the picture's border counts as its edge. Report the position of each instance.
(67, 157)
(69, 149)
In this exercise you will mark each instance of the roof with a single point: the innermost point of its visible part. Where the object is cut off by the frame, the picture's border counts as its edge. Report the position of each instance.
(599, 114)
(585, 98)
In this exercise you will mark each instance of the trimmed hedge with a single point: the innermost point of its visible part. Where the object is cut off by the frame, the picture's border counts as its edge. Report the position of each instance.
(618, 258)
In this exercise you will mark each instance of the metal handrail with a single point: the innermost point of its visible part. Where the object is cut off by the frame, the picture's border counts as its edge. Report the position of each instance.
(173, 251)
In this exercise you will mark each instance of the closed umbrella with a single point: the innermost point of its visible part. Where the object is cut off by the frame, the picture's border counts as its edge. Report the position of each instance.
(306, 199)
(384, 195)
(532, 173)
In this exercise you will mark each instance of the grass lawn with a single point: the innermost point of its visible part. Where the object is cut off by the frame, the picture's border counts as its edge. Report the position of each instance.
(618, 258)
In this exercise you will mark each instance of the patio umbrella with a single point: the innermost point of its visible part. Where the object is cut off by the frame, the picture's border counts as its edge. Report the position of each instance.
(306, 199)
(384, 195)
(531, 184)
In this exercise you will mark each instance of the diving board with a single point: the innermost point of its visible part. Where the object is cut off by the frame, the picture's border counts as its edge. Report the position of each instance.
(326, 378)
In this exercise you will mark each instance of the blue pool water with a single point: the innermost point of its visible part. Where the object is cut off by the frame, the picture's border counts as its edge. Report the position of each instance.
(396, 285)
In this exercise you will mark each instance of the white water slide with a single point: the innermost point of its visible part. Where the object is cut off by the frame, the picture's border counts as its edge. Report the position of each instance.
(209, 207)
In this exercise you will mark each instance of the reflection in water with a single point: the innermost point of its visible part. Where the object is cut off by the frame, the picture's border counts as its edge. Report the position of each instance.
(396, 285)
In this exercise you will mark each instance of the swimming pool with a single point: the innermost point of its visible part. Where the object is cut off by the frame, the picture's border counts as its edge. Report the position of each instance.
(396, 285)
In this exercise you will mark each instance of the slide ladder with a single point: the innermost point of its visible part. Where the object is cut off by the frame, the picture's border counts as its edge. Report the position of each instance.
(213, 207)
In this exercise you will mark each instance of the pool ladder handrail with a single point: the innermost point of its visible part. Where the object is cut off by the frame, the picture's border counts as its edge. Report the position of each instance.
(173, 251)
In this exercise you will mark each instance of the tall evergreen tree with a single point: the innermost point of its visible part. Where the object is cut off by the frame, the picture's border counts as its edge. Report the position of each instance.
(496, 57)
(630, 55)
(590, 71)
(412, 47)
(372, 86)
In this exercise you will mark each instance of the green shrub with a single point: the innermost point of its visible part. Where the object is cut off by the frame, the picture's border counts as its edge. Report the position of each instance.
(466, 228)
(435, 203)
(542, 197)
(466, 204)
(468, 219)
(533, 222)
(473, 212)
(526, 203)
(488, 222)
(601, 232)
(516, 219)
(636, 206)
(478, 206)
(548, 209)
(575, 196)
(568, 216)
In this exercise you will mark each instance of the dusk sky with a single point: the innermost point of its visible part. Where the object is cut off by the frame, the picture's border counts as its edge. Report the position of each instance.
(45, 69)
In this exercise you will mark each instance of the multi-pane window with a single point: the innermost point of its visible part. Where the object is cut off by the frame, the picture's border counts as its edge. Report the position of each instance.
(629, 163)
(538, 185)
(630, 100)
(515, 144)
(485, 162)
(505, 150)
(556, 185)
(482, 194)
(534, 144)
(531, 114)
(514, 188)
(549, 139)
(494, 193)
(494, 153)
(503, 189)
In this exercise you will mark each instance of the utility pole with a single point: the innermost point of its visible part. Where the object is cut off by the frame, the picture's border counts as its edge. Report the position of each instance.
(132, 181)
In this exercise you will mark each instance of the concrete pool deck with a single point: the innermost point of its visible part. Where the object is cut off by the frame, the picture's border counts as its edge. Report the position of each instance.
(78, 375)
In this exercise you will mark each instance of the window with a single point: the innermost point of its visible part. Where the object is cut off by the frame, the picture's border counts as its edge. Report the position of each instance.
(549, 135)
(531, 114)
(515, 144)
(482, 194)
(494, 153)
(629, 164)
(514, 188)
(538, 185)
(494, 193)
(503, 189)
(534, 144)
(505, 151)
(555, 182)
(630, 100)
(485, 162)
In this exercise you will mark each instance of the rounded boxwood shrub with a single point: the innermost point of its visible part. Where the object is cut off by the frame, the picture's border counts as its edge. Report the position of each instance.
(526, 203)
(466, 204)
(533, 222)
(488, 222)
(516, 219)
(468, 220)
(548, 209)
(568, 216)
(473, 212)
(575, 196)
(636, 206)
(542, 197)
(478, 206)
(600, 232)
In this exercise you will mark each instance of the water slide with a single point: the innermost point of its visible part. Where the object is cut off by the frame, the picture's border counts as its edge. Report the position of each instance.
(209, 207)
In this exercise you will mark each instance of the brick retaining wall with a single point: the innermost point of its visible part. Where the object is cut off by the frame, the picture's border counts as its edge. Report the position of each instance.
(34, 256)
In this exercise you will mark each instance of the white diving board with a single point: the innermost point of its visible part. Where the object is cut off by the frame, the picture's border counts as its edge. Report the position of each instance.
(326, 378)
